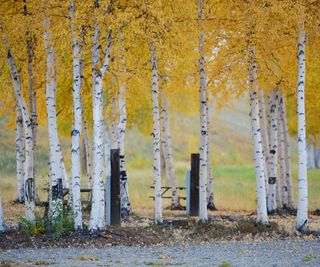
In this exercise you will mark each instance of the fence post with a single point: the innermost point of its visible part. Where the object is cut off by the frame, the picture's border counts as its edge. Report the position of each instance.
(194, 185)
(115, 187)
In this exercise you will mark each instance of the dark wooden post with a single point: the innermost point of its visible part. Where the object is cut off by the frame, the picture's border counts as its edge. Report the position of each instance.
(115, 187)
(194, 185)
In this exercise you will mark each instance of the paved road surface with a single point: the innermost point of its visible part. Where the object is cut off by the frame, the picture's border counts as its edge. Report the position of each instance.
(279, 253)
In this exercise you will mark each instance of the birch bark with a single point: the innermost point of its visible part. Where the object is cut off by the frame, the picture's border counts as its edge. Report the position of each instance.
(282, 163)
(262, 216)
(156, 137)
(97, 218)
(287, 153)
(77, 125)
(203, 213)
(124, 190)
(210, 193)
(29, 191)
(273, 146)
(302, 213)
(264, 135)
(167, 150)
(20, 154)
(56, 193)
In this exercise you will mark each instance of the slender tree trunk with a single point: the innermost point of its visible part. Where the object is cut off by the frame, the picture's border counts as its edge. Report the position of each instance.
(28, 135)
(203, 213)
(264, 135)
(273, 146)
(124, 190)
(287, 153)
(262, 216)
(167, 150)
(302, 214)
(282, 163)
(77, 126)
(87, 154)
(97, 218)
(20, 154)
(2, 224)
(156, 137)
(56, 197)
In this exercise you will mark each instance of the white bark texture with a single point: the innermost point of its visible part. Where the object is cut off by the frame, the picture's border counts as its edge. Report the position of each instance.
(262, 216)
(210, 193)
(56, 190)
(302, 213)
(124, 190)
(87, 153)
(2, 224)
(264, 135)
(32, 100)
(29, 192)
(287, 153)
(20, 154)
(203, 213)
(97, 218)
(156, 137)
(167, 150)
(282, 184)
(273, 146)
(77, 126)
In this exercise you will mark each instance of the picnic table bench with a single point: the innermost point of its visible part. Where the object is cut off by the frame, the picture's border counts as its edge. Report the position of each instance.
(165, 189)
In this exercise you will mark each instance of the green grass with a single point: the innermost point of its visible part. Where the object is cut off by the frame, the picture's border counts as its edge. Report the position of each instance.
(234, 174)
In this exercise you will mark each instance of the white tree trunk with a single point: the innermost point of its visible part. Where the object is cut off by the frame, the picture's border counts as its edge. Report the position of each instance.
(124, 190)
(77, 126)
(28, 135)
(56, 204)
(87, 153)
(282, 163)
(167, 150)
(273, 146)
(156, 137)
(262, 216)
(210, 193)
(32, 100)
(203, 213)
(107, 147)
(302, 214)
(264, 136)
(20, 154)
(2, 224)
(97, 218)
(287, 153)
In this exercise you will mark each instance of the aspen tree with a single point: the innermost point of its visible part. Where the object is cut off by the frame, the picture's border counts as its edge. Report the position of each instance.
(167, 149)
(273, 149)
(20, 154)
(97, 209)
(302, 213)
(156, 137)
(203, 214)
(77, 125)
(29, 197)
(56, 185)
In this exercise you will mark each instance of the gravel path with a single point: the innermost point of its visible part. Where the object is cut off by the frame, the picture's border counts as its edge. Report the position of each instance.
(278, 253)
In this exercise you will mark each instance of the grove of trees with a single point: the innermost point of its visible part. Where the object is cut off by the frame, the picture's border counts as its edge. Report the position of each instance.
(117, 63)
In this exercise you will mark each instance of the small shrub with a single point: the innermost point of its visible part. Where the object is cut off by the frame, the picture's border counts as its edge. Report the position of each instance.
(44, 225)
(224, 264)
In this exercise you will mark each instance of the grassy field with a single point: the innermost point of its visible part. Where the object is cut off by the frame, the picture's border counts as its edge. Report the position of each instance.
(234, 175)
